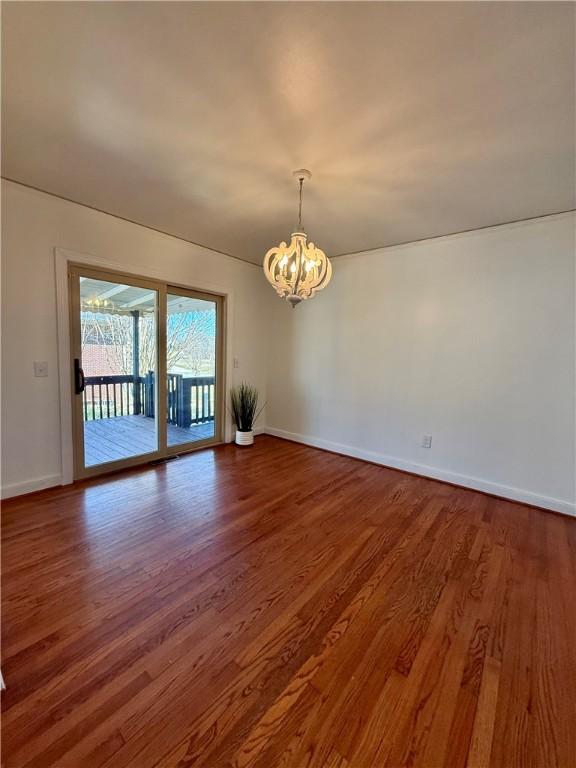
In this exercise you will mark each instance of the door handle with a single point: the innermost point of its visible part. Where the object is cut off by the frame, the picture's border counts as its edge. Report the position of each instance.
(79, 378)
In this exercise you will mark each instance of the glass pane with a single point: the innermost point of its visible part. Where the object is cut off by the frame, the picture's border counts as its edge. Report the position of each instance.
(118, 342)
(191, 367)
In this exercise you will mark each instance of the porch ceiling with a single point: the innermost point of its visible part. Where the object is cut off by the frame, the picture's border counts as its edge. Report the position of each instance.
(117, 298)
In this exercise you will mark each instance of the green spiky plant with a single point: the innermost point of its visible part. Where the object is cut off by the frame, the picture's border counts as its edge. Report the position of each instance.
(243, 406)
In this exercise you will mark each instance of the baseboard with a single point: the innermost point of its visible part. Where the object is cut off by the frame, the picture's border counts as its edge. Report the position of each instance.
(475, 483)
(30, 486)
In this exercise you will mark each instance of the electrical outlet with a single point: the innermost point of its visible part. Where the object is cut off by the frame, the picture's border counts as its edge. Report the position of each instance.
(427, 441)
(40, 369)
(236, 362)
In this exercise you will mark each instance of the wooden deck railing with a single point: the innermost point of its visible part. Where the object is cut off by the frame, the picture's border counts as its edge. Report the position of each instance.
(190, 400)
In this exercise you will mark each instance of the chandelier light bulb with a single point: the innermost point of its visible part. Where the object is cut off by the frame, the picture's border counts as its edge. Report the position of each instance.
(310, 269)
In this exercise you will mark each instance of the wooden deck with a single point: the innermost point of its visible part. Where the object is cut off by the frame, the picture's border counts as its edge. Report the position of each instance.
(126, 436)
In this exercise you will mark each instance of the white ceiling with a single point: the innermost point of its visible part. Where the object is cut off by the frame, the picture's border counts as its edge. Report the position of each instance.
(416, 119)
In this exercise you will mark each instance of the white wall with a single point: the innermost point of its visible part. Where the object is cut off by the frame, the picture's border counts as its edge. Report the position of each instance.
(33, 225)
(469, 338)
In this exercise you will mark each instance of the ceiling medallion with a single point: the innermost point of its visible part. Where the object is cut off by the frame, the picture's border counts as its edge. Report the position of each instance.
(298, 270)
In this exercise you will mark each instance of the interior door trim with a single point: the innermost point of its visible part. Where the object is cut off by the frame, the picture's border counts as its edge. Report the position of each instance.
(171, 271)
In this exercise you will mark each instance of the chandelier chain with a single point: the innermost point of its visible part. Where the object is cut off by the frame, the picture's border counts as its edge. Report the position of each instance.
(300, 207)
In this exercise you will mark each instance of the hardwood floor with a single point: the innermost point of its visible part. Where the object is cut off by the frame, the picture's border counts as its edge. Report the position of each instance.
(282, 606)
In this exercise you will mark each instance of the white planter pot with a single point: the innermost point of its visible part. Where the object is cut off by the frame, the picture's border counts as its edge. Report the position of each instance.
(244, 438)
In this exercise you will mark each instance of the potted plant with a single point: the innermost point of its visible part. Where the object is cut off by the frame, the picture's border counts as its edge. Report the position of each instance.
(243, 405)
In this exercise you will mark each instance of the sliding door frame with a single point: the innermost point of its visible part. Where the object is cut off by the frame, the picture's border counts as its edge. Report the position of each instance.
(219, 390)
(75, 269)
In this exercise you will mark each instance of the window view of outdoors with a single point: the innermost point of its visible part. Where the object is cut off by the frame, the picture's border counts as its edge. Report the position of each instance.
(191, 359)
(118, 336)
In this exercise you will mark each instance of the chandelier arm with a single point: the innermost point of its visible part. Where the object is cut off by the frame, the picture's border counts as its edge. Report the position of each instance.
(300, 258)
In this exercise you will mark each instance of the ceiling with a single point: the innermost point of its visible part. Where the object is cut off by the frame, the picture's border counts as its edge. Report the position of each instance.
(416, 119)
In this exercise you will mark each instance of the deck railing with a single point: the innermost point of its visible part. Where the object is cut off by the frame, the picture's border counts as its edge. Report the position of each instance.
(190, 400)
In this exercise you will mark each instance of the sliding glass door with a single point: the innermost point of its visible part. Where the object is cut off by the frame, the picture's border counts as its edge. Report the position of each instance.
(146, 368)
(191, 363)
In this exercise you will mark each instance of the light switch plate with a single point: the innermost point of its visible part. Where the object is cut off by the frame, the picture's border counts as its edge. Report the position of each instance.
(40, 368)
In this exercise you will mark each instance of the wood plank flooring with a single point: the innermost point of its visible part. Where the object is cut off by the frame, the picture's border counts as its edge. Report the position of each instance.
(283, 607)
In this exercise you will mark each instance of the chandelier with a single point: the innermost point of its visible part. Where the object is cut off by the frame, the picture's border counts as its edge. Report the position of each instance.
(298, 270)
(97, 305)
